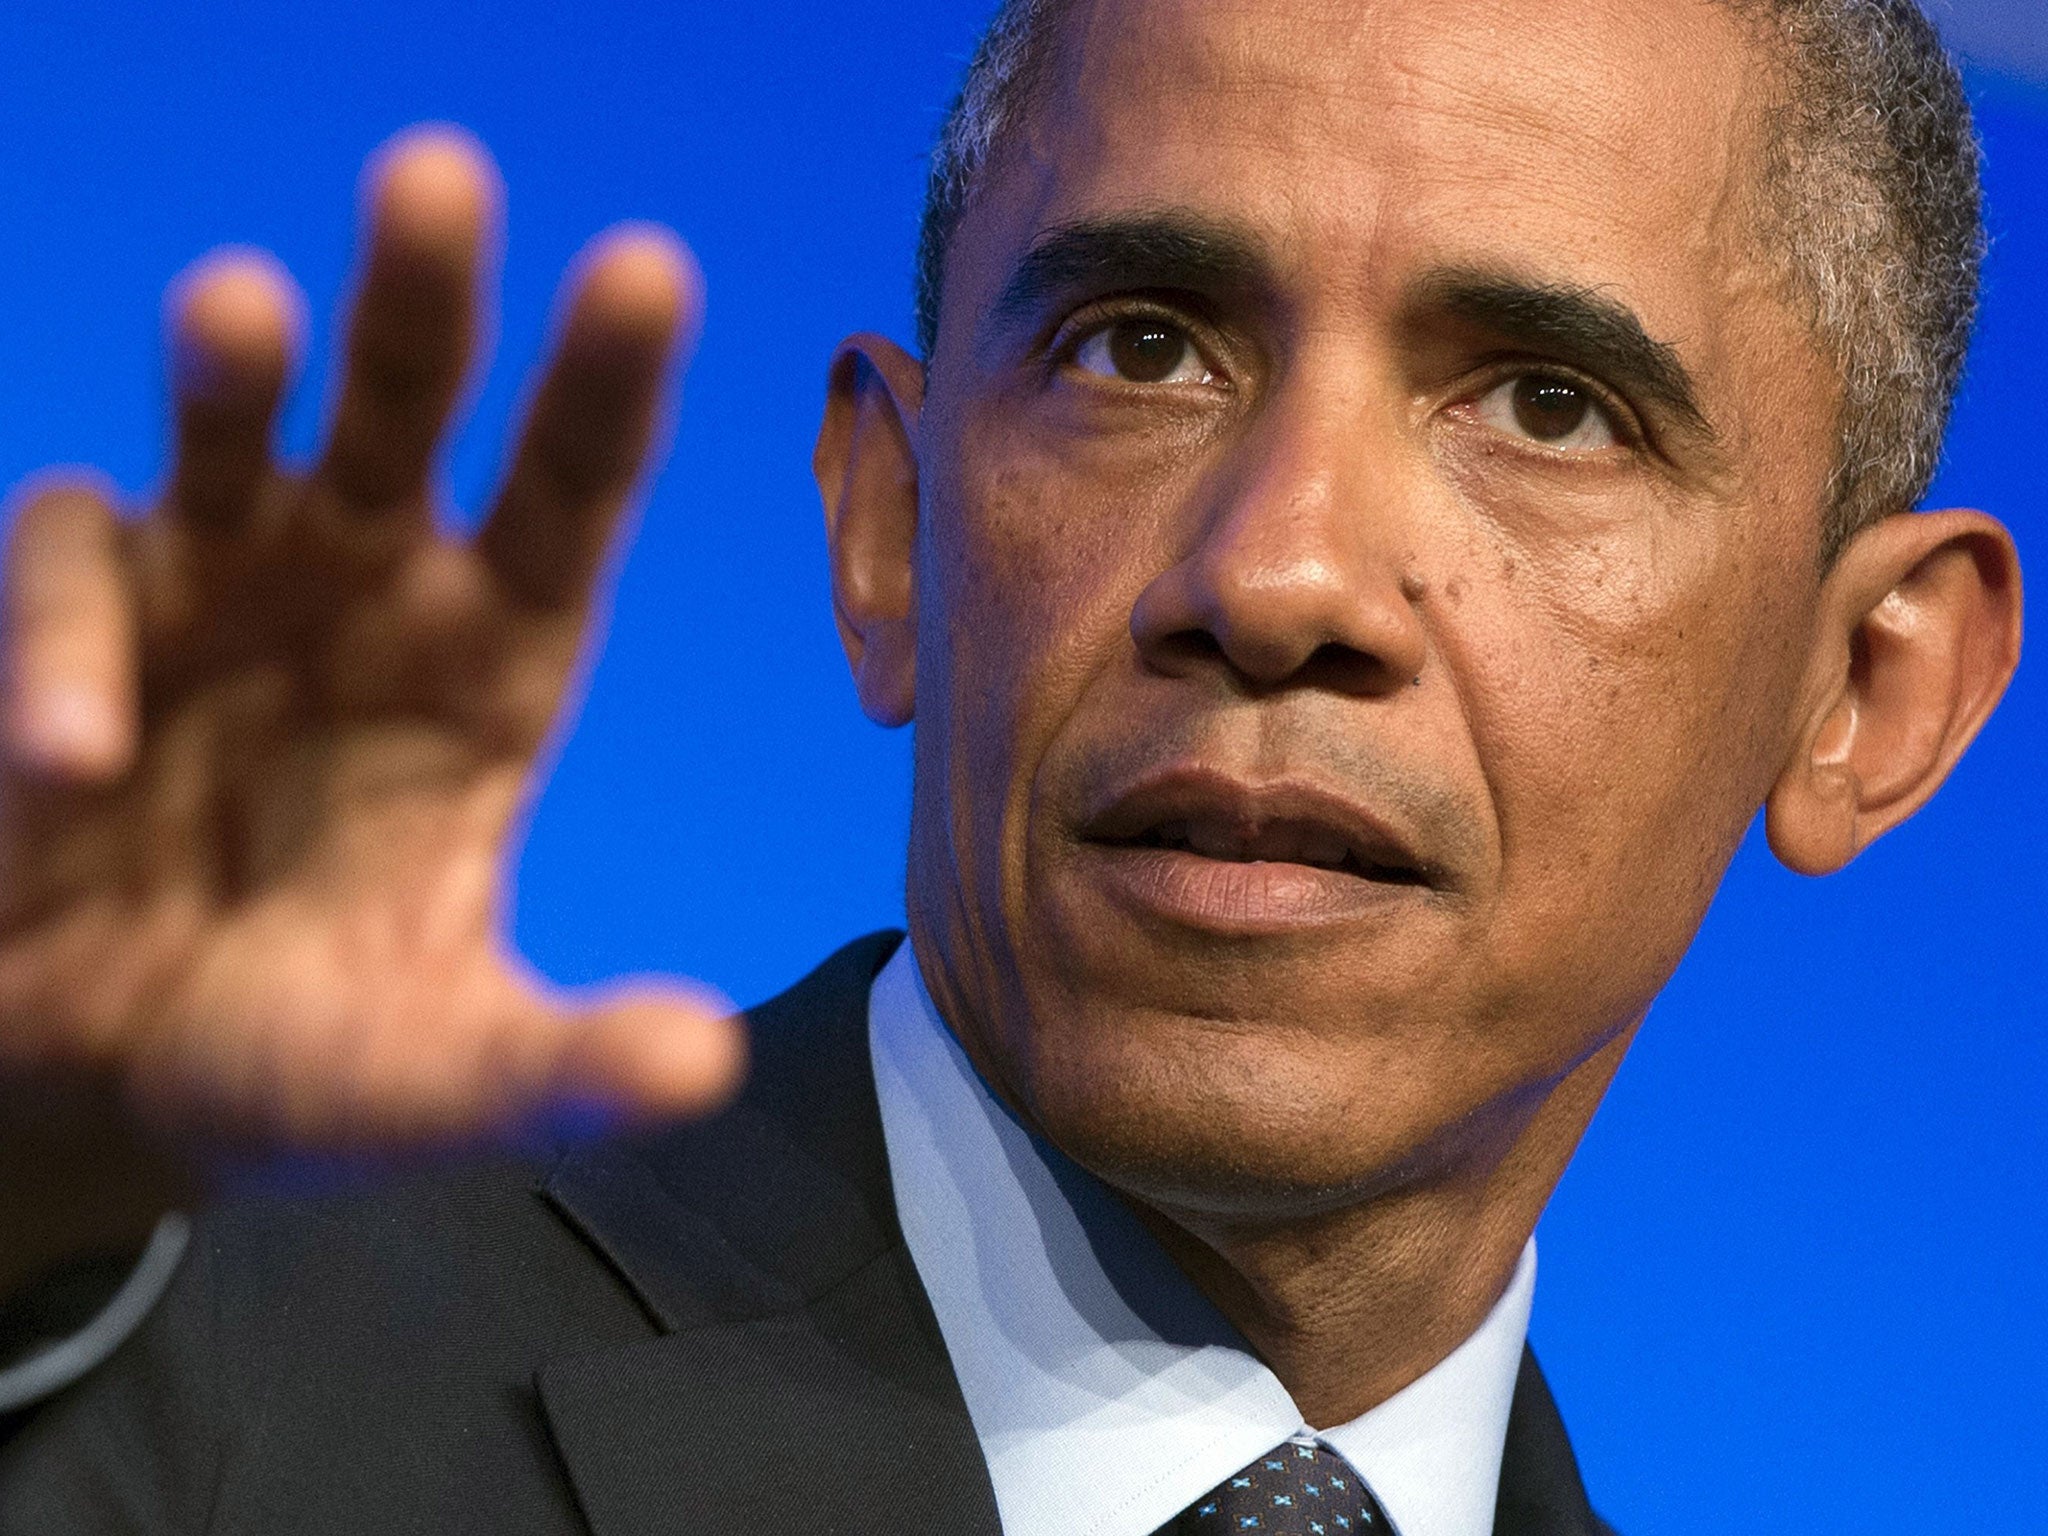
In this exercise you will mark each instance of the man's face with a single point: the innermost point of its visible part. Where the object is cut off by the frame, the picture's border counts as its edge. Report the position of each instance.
(1371, 488)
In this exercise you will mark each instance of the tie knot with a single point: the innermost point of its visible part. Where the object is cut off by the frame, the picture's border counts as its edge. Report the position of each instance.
(1296, 1489)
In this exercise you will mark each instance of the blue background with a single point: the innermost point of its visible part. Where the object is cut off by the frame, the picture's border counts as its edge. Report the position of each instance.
(1794, 1283)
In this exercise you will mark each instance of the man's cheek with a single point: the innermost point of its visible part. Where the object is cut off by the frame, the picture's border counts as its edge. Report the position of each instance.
(1581, 727)
(1050, 569)
(1620, 819)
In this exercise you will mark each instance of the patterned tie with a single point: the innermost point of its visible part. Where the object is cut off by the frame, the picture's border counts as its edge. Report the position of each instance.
(1294, 1490)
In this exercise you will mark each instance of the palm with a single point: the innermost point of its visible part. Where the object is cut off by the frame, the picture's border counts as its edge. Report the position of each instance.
(269, 741)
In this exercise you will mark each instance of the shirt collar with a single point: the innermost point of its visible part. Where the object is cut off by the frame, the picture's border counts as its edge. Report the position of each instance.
(1107, 1393)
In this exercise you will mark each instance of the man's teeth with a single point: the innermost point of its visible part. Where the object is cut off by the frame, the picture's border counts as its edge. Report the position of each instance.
(1279, 843)
(1323, 848)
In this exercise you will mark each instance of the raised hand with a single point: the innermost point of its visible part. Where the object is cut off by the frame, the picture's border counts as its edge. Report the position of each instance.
(266, 743)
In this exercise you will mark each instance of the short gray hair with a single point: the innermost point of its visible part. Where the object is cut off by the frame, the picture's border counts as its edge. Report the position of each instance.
(1872, 191)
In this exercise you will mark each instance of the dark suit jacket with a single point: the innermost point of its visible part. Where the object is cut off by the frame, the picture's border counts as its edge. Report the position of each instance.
(711, 1330)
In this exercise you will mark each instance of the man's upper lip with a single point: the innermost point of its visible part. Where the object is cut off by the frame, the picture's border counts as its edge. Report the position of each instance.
(1185, 794)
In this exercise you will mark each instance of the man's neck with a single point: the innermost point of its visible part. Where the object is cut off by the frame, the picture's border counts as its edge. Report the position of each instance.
(1349, 1306)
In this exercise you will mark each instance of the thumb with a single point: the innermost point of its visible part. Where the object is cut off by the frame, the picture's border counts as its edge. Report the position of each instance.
(646, 1052)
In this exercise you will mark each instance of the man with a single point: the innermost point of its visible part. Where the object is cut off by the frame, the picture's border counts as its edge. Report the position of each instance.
(1388, 491)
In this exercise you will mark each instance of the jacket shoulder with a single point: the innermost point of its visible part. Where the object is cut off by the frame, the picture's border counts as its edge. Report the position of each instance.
(370, 1353)
(1541, 1491)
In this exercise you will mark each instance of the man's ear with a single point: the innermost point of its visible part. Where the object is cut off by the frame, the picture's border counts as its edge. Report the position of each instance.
(866, 464)
(1920, 632)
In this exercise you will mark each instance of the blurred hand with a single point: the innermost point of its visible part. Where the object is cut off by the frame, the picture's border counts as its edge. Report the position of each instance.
(264, 745)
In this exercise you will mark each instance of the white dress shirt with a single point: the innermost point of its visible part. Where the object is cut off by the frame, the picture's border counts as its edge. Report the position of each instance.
(1107, 1393)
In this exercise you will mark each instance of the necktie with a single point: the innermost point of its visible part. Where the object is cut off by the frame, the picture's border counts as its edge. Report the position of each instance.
(1293, 1490)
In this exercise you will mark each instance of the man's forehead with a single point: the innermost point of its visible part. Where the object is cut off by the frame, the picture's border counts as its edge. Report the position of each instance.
(1362, 136)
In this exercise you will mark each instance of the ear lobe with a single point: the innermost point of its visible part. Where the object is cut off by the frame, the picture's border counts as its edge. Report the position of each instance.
(866, 466)
(1920, 633)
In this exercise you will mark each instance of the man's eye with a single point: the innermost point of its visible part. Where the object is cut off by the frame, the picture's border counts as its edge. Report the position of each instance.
(1143, 351)
(1549, 410)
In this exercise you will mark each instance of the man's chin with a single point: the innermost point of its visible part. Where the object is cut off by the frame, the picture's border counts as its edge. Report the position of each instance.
(1283, 1142)
(1145, 937)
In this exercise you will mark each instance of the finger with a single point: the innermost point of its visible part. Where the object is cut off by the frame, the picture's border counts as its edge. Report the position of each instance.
(526, 1064)
(644, 1055)
(67, 639)
(594, 416)
(433, 201)
(234, 323)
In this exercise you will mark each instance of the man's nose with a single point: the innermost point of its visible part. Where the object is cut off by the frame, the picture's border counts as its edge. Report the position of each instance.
(1296, 575)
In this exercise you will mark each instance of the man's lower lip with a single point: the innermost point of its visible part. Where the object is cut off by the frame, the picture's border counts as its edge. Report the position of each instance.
(1227, 897)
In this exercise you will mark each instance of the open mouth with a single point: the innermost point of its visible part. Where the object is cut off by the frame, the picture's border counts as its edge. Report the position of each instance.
(1280, 841)
(1293, 830)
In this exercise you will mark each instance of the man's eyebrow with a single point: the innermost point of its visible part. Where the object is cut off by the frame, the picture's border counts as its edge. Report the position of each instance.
(1159, 250)
(1576, 325)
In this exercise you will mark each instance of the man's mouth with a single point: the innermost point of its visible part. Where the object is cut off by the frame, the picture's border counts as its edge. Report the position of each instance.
(1284, 841)
(1210, 850)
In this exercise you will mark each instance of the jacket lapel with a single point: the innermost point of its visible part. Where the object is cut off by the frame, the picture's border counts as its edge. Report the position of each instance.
(840, 1417)
(797, 1380)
